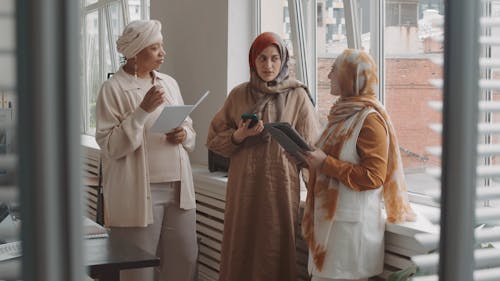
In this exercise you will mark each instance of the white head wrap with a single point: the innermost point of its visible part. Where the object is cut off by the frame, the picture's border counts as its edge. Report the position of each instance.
(138, 35)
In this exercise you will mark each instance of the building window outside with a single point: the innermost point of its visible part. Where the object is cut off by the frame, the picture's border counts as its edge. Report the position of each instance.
(399, 14)
(491, 10)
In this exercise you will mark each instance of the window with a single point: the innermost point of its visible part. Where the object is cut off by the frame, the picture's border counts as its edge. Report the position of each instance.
(331, 40)
(103, 22)
(9, 203)
(410, 53)
(468, 241)
(402, 13)
(298, 15)
(406, 60)
(279, 25)
(490, 72)
(407, 67)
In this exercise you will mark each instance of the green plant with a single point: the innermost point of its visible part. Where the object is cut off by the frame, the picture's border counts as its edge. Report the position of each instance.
(403, 274)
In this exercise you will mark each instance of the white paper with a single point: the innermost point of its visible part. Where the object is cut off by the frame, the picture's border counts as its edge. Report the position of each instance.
(172, 116)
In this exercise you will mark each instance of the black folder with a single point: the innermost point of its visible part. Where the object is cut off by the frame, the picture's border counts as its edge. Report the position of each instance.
(288, 138)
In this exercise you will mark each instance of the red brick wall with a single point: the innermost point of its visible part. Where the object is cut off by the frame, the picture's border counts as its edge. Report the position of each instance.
(408, 92)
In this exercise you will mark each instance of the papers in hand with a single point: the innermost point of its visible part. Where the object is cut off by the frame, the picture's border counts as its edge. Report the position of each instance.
(288, 138)
(172, 116)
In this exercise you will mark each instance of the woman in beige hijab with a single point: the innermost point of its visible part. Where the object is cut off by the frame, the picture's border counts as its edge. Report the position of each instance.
(147, 182)
(355, 166)
(262, 197)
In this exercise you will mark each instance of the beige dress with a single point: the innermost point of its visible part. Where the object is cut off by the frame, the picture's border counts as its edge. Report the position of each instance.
(263, 190)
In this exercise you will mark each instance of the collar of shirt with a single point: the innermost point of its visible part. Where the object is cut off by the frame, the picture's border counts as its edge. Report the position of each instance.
(127, 81)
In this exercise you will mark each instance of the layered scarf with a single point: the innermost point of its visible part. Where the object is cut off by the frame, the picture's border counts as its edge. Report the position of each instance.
(277, 89)
(357, 82)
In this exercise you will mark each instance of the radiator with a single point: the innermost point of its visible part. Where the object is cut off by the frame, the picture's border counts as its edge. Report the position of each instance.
(210, 191)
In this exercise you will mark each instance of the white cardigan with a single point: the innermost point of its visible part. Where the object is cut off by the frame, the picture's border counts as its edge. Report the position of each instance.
(121, 135)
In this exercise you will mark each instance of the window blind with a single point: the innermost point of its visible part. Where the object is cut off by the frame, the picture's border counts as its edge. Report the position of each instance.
(481, 106)
(47, 127)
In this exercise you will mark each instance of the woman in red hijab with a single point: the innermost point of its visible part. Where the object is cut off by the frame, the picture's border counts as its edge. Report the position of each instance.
(263, 189)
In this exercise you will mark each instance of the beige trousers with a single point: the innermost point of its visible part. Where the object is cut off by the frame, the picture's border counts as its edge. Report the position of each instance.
(172, 237)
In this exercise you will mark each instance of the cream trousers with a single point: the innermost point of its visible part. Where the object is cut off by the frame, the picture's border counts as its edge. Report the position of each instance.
(172, 237)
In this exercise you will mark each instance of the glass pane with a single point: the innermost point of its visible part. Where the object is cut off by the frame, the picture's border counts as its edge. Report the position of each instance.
(410, 52)
(9, 204)
(107, 66)
(90, 2)
(148, 5)
(275, 17)
(331, 40)
(493, 73)
(93, 77)
(365, 23)
(116, 20)
(7, 31)
(134, 7)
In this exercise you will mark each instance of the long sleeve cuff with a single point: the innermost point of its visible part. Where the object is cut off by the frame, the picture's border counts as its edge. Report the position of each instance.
(331, 167)
(140, 116)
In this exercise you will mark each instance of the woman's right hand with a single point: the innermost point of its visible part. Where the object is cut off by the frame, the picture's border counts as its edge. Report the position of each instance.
(153, 98)
(314, 159)
(244, 132)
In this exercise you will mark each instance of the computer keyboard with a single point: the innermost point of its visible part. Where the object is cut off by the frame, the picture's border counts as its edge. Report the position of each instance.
(10, 250)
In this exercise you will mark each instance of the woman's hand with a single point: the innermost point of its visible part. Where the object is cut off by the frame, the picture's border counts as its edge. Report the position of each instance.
(153, 98)
(176, 136)
(314, 159)
(243, 131)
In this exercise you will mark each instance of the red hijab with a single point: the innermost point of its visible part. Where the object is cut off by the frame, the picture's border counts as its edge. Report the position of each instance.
(263, 41)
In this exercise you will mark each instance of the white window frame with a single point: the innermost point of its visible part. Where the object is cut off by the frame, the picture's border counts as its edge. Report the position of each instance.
(302, 17)
(304, 25)
(104, 17)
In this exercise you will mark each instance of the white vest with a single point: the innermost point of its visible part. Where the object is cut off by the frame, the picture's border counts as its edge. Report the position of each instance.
(356, 240)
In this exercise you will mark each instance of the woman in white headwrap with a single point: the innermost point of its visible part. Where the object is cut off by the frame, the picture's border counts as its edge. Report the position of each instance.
(355, 166)
(147, 180)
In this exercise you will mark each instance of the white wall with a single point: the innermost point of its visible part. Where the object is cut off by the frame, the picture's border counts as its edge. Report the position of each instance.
(207, 49)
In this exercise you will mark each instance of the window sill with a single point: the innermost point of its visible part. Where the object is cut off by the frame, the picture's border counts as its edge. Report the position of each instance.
(217, 181)
(423, 224)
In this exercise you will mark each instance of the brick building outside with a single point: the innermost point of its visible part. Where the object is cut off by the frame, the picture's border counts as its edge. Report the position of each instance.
(408, 93)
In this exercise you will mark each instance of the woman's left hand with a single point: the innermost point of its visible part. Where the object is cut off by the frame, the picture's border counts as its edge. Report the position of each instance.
(314, 159)
(176, 136)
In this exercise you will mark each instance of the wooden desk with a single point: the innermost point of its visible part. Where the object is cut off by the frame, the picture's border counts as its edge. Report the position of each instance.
(105, 257)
